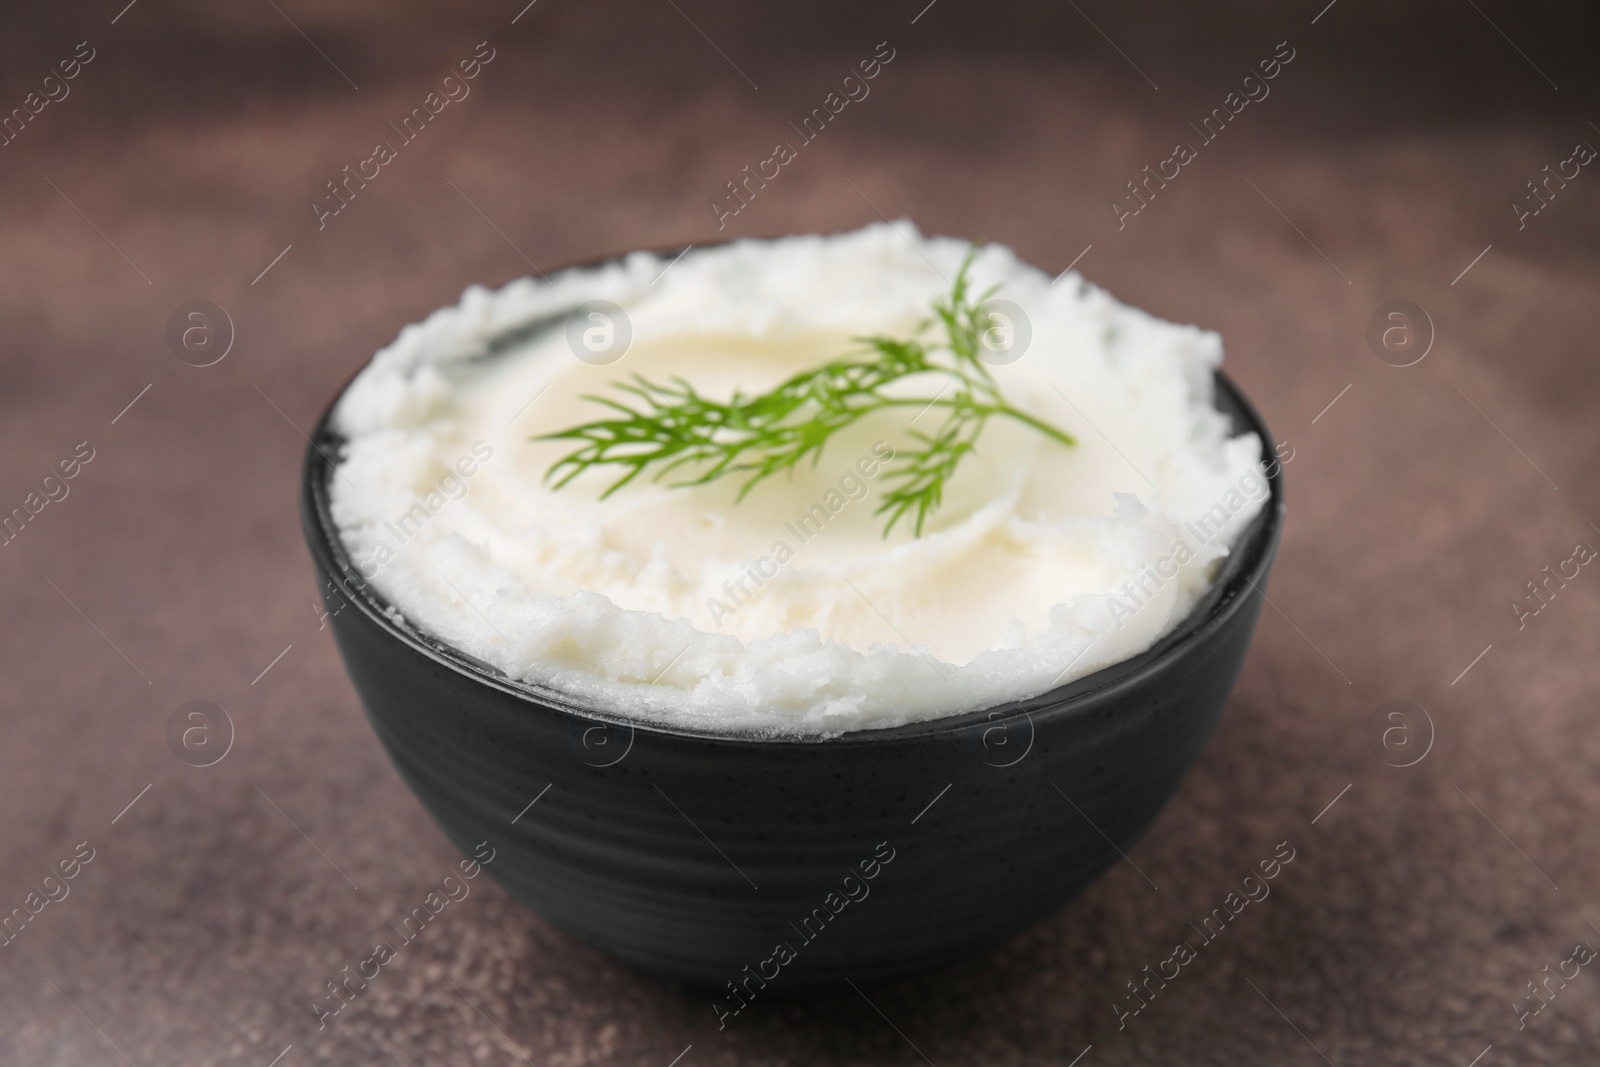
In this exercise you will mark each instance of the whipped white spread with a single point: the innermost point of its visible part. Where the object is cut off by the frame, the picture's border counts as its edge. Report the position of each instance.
(789, 612)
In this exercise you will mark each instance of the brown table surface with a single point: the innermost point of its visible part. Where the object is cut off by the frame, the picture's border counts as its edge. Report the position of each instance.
(1381, 167)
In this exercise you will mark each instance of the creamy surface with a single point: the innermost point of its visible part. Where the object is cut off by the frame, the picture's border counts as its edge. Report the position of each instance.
(788, 612)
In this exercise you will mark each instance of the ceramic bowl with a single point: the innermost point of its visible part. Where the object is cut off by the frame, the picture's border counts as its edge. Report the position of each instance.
(762, 868)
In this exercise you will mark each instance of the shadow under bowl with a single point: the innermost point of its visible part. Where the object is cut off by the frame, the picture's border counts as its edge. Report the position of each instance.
(788, 866)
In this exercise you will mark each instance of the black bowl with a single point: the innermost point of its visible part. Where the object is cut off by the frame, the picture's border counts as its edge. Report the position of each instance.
(767, 867)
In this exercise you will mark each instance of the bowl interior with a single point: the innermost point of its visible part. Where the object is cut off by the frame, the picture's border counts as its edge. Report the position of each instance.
(1241, 572)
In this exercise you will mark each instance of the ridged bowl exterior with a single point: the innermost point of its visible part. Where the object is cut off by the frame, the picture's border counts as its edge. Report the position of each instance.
(695, 857)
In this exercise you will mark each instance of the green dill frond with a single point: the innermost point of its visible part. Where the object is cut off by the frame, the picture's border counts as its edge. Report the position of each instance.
(676, 435)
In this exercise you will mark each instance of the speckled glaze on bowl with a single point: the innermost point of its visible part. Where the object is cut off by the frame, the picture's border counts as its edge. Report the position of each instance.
(694, 857)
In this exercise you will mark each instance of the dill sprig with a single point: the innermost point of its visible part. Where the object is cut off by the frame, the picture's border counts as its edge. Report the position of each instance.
(675, 428)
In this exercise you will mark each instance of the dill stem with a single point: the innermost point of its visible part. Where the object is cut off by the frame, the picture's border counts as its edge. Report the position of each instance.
(987, 410)
(1043, 427)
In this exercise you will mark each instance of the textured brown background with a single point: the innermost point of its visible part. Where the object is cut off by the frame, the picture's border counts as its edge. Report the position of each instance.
(1395, 142)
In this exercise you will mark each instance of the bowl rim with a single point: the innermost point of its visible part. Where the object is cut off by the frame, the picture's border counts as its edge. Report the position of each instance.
(1243, 569)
